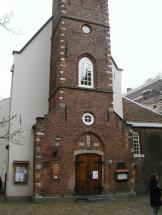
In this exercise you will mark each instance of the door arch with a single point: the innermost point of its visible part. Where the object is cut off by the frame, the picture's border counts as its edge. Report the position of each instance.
(88, 174)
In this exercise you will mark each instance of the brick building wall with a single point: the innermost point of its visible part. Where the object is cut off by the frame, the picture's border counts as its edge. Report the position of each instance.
(148, 125)
(62, 136)
(113, 146)
(150, 143)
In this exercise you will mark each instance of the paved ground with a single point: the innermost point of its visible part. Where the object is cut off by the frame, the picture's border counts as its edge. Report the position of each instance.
(133, 206)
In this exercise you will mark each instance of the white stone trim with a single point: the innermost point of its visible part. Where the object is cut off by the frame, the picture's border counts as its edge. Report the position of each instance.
(38, 166)
(145, 124)
(62, 58)
(86, 151)
(63, 29)
(62, 65)
(40, 133)
(109, 72)
(138, 156)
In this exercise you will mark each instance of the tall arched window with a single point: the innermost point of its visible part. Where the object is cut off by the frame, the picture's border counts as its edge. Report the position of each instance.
(85, 73)
(136, 144)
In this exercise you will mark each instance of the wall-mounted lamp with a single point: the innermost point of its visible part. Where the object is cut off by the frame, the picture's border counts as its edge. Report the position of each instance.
(110, 163)
(7, 147)
(56, 146)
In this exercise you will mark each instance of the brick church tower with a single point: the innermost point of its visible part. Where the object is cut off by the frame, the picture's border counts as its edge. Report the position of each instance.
(81, 146)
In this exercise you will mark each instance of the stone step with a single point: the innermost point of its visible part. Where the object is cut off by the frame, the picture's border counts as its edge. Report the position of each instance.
(91, 199)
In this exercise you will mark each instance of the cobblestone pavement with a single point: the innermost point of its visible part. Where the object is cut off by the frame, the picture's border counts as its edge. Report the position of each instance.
(132, 206)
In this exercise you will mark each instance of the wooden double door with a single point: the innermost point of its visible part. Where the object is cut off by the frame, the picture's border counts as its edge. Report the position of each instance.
(88, 174)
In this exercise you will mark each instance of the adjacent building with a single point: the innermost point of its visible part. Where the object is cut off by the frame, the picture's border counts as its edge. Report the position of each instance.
(148, 94)
(147, 141)
(29, 99)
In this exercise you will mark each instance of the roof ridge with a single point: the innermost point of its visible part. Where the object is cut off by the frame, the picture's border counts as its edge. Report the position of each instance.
(143, 85)
(140, 105)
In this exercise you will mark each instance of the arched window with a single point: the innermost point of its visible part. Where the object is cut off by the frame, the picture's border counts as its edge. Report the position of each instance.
(85, 73)
(136, 144)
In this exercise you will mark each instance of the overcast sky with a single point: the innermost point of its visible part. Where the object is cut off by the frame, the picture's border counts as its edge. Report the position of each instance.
(136, 36)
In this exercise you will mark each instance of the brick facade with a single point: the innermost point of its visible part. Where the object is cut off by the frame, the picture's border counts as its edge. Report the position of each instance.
(150, 138)
(61, 135)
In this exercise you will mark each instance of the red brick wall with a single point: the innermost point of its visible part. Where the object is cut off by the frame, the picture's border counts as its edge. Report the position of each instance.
(78, 44)
(110, 132)
(88, 10)
(68, 102)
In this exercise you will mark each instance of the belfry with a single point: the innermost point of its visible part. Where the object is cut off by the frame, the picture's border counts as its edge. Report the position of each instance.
(82, 147)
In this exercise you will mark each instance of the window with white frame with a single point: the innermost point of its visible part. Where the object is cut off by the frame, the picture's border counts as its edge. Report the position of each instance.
(88, 119)
(85, 73)
(136, 144)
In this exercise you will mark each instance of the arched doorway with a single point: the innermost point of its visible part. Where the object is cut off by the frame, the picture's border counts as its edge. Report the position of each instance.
(88, 174)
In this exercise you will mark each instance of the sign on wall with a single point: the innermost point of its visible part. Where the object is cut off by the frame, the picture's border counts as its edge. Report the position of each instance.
(56, 170)
(20, 172)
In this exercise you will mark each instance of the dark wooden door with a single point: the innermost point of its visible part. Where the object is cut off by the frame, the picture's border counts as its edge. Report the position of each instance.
(88, 174)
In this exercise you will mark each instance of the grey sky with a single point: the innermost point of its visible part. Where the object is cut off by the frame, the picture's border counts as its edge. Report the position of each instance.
(135, 36)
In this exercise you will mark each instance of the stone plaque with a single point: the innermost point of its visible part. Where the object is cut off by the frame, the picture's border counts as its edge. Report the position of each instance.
(81, 144)
(96, 144)
(56, 170)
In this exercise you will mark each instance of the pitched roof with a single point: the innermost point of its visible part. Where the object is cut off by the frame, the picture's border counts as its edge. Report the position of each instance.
(115, 64)
(155, 84)
(135, 112)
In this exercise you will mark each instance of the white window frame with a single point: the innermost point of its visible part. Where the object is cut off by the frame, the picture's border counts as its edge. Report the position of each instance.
(136, 144)
(86, 61)
(89, 115)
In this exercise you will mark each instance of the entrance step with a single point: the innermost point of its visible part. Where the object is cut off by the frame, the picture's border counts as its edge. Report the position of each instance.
(91, 199)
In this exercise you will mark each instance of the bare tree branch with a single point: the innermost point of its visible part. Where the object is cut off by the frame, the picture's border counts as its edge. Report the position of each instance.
(4, 121)
(12, 136)
(5, 23)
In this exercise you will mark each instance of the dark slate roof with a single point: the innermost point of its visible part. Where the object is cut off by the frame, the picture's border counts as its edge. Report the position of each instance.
(136, 112)
(153, 85)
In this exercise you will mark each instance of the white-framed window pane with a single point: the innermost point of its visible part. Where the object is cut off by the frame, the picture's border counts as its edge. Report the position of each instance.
(85, 73)
(136, 144)
(88, 119)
